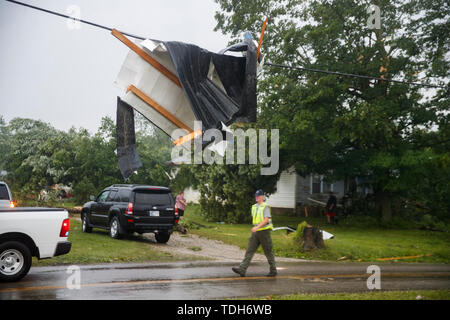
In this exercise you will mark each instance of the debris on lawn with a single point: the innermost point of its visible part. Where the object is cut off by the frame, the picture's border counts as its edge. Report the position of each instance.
(407, 257)
(180, 229)
(325, 235)
(200, 225)
(288, 229)
(75, 210)
(185, 225)
(347, 257)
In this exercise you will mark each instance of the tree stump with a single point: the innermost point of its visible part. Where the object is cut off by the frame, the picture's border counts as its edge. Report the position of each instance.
(312, 239)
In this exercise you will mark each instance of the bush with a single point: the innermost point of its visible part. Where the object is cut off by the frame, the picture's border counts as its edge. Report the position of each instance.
(429, 222)
(298, 234)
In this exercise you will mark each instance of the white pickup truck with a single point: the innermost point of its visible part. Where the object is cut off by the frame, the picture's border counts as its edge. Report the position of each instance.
(27, 233)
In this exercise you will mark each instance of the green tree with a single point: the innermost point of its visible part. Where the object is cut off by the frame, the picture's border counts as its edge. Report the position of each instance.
(36, 156)
(227, 190)
(95, 161)
(154, 147)
(353, 127)
(5, 143)
(28, 161)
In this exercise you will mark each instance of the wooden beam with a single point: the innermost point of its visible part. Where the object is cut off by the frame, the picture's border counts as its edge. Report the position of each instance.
(152, 103)
(189, 137)
(144, 55)
(261, 38)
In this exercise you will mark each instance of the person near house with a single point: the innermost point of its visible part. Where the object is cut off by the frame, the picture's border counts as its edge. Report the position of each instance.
(330, 208)
(262, 226)
(180, 204)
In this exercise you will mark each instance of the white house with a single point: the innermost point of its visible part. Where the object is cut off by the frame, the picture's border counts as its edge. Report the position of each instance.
(292, 189)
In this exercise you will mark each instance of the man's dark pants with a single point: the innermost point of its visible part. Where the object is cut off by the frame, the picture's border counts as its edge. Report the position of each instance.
(264, 239)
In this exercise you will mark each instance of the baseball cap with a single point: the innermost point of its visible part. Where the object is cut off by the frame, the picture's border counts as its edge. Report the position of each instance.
(259, 193)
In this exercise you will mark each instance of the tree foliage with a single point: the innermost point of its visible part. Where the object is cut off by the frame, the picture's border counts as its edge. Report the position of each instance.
(37, 156)
(394, 135)
(227, 192)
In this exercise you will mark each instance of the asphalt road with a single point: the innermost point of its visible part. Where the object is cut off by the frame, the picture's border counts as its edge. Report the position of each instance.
(215, 280)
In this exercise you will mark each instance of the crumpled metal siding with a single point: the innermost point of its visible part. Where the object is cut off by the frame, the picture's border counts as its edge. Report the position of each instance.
(210, 103)
(128, 157)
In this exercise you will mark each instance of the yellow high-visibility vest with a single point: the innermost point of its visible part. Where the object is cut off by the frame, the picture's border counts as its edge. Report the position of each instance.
(258, 216)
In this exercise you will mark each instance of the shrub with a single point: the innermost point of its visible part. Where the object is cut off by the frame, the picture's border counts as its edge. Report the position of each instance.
(298, 234)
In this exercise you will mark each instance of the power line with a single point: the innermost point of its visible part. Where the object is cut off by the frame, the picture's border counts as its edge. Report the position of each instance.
(353, 75)
(267, 63)
(72, 18)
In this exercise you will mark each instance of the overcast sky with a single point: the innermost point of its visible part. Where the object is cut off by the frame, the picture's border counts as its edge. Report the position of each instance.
(66, 77)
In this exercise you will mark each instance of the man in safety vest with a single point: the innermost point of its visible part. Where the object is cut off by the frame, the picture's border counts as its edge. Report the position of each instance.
(262, 226)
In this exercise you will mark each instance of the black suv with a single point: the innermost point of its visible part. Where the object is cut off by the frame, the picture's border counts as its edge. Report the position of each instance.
(124, 209)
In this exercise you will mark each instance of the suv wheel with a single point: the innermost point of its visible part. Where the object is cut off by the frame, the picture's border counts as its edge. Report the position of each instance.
(162, 237)
(85, 224)
(15, 261)
(115, 230)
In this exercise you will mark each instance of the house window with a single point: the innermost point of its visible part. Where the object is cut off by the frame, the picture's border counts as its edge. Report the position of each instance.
(318, 185)
(327, 187)
(316, 181)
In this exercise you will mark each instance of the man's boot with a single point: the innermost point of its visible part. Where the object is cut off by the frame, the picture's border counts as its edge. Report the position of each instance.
(239, 271)
(272, 273)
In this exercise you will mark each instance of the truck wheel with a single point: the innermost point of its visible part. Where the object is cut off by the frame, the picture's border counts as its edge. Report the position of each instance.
(162, 237)
(115, 230)
(85, 227)
(15, 261)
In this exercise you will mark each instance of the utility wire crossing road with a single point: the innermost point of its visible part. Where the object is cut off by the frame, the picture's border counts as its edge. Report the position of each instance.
(301, 68)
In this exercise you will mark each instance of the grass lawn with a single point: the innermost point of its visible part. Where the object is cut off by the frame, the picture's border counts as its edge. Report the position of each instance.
(65, 203)
(362, 243)
(98, 247)
(374, 295)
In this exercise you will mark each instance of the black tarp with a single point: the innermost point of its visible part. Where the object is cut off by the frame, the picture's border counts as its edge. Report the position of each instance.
(237, 74)
(128, 157)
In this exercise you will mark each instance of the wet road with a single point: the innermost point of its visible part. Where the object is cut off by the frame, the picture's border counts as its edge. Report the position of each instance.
(212, 280)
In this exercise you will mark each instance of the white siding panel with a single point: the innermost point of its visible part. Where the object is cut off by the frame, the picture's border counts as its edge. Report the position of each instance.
(191, 195)
(338, 188)
(285, 196)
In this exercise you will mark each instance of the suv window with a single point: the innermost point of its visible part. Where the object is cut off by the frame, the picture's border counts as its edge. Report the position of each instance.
(153, 198)
(102, 197)
(124, 195)
(112, 196)
(4, 195)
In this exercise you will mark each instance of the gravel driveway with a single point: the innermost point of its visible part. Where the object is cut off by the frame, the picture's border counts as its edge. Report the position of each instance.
(191, 244)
